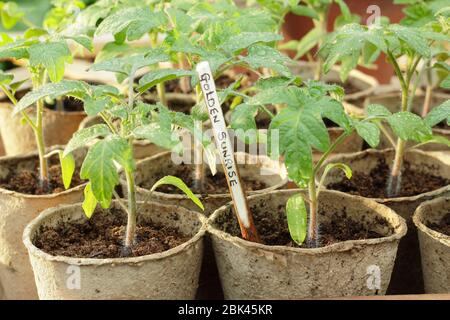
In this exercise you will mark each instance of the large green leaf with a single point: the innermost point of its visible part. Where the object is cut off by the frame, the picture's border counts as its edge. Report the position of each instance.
(99, 166)
(177, 182)
(52, 56)
(135, 22)
(297, 218)
(246, 39)
(409, 126)
(438, 114)
(262, 56)
(369, 132)
(84, 136)
(74, 88)
(67, 168)
(161, 75)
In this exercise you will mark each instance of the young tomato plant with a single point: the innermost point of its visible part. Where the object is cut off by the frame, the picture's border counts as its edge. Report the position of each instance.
(110, 143)
(353, 41)
(45, 54)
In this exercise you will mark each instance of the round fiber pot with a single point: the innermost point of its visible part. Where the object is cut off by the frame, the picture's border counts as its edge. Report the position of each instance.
(251, 270)
(171, 274)
(392, 102)
(407, 276)
(18, 137)
(358, 85)
(434, 245)
(141, 148)
(16, 211)
(2, 148)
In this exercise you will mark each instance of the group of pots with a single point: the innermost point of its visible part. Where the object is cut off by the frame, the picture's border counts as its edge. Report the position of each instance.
(215, 261)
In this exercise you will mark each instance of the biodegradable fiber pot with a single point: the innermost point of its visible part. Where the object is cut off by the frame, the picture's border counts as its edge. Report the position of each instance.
(250, 270)
(434, 246)
(18, 137)
(407, 275)
(259, 168)
(141, 148)
(361, 85)
(172, 274)
(391, 101)
(16, 211)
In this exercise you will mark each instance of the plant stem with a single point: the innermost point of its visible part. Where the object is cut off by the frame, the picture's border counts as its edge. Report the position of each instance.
(185, 84)
(323, 25)
(428, 90)
(312, 223)
(132, 212)
(199, 172)
(394, 180)
(335, 144)
(160, 88)
(38, 79)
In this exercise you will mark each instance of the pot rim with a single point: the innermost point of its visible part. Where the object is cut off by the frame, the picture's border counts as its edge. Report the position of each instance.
(419, 215)
(6, 105)
(34, 196)
(399, 226)
(353, 155)
(32, 226)
(171, 196)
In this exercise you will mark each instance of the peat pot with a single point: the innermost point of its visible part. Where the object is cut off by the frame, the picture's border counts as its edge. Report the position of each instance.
(18, 137)
(392, 102)
(172, 274)
(16, 211)
(407, 275)
(259, 168)
(251, 270)
(434, 245)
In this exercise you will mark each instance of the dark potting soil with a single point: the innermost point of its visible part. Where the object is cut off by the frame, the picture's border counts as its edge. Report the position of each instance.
(213, 184)
(27, 181)
(175, 105)
(373, 184)
(273, 229)
(443, 226)
(68, 104)
(102, 237)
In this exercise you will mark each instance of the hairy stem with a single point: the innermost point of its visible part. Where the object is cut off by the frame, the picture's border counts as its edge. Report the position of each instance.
(132, 212)
(428, 91)
(199, 172)
(323, 25)
(185, 84)
(312, 223)
(160, 88)
(38, 79)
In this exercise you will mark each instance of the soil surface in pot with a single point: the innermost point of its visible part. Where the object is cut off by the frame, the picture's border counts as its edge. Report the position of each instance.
(103, 236)
(175, 105)
(68, 104)
(27, 181)
(373, 184)
(443, 226)
(213, 184)
(274, 231)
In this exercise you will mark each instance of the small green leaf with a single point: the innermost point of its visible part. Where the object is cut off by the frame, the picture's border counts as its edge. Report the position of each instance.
(342, 166)
(161, 75)
(5, 78)
(244, 40)
(369, 132)
(409, 126)
(67, 168)
(438, 114)
(82, 137)
(297, 218)
(177, 182)
(52, 56)
(90, 202)
(378, 111)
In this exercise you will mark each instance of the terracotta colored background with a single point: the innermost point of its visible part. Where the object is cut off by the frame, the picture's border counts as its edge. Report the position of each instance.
(295, 27)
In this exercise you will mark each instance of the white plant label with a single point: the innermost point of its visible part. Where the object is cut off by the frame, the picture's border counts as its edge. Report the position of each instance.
(223, 141)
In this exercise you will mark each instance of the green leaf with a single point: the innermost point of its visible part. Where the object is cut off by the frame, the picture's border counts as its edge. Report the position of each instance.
(297, 218)
(77, 89)
(90, 202)
(369, 132)
(438, 114)
(243, 122)
(334, 111)
(309, 41)
(305, 11)
(84, 136)
(342, 166)
(377, 111)
(67, 168)
(409, 126)
(245, 39)
(84, 41)
(135, 21)
(262, 56)
(413, 38)
(5, 78)
(177, 182)
(52, 56)
(10, 14)
(446, 83)
(161, 75)
(100, 169)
